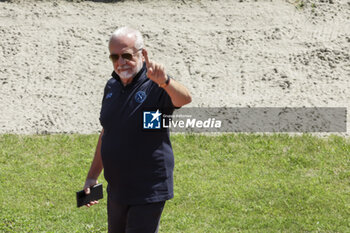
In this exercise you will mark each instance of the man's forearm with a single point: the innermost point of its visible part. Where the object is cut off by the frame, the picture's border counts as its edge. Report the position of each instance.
(96, 165)
(178, 93)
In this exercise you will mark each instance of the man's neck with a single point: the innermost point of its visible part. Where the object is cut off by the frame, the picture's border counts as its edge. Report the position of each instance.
(126, 81)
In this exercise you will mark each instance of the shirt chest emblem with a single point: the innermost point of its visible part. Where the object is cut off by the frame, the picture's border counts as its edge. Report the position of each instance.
(109, 95)
(140, 96)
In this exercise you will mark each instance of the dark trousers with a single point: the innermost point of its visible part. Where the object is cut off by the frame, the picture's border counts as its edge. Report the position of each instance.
(124, 218)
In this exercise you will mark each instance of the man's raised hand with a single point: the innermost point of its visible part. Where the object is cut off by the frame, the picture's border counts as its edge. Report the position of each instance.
(155, 72)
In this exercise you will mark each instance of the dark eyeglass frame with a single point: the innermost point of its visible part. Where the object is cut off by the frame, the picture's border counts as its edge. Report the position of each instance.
(125, 56)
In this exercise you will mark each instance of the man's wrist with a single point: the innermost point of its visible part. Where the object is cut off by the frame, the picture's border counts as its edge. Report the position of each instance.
(166, 83)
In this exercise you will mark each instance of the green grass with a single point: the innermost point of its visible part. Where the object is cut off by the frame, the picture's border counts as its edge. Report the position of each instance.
(228, 183)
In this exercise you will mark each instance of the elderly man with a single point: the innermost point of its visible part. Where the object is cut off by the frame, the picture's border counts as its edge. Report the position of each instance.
(138, 164)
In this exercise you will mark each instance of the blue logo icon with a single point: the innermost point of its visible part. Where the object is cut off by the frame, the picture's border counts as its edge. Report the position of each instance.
(140, 97)
(109, 95)
(151, 120)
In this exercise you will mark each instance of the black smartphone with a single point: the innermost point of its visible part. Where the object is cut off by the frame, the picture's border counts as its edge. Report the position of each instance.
(96, 193)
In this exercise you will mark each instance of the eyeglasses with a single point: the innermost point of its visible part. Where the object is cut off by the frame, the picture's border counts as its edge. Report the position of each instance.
(126, 56)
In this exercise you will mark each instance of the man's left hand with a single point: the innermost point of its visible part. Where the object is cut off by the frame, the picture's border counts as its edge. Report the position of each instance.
(155, 71)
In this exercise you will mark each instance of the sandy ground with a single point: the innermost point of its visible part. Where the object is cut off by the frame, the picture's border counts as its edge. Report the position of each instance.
(54, 57)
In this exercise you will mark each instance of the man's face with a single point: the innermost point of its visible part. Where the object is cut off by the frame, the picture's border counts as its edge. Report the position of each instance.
(124, 67)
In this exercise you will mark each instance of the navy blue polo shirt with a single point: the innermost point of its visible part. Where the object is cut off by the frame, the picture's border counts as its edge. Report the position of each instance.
(138, 164)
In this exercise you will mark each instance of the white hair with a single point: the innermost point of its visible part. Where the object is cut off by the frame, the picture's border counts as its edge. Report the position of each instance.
(129, 32)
